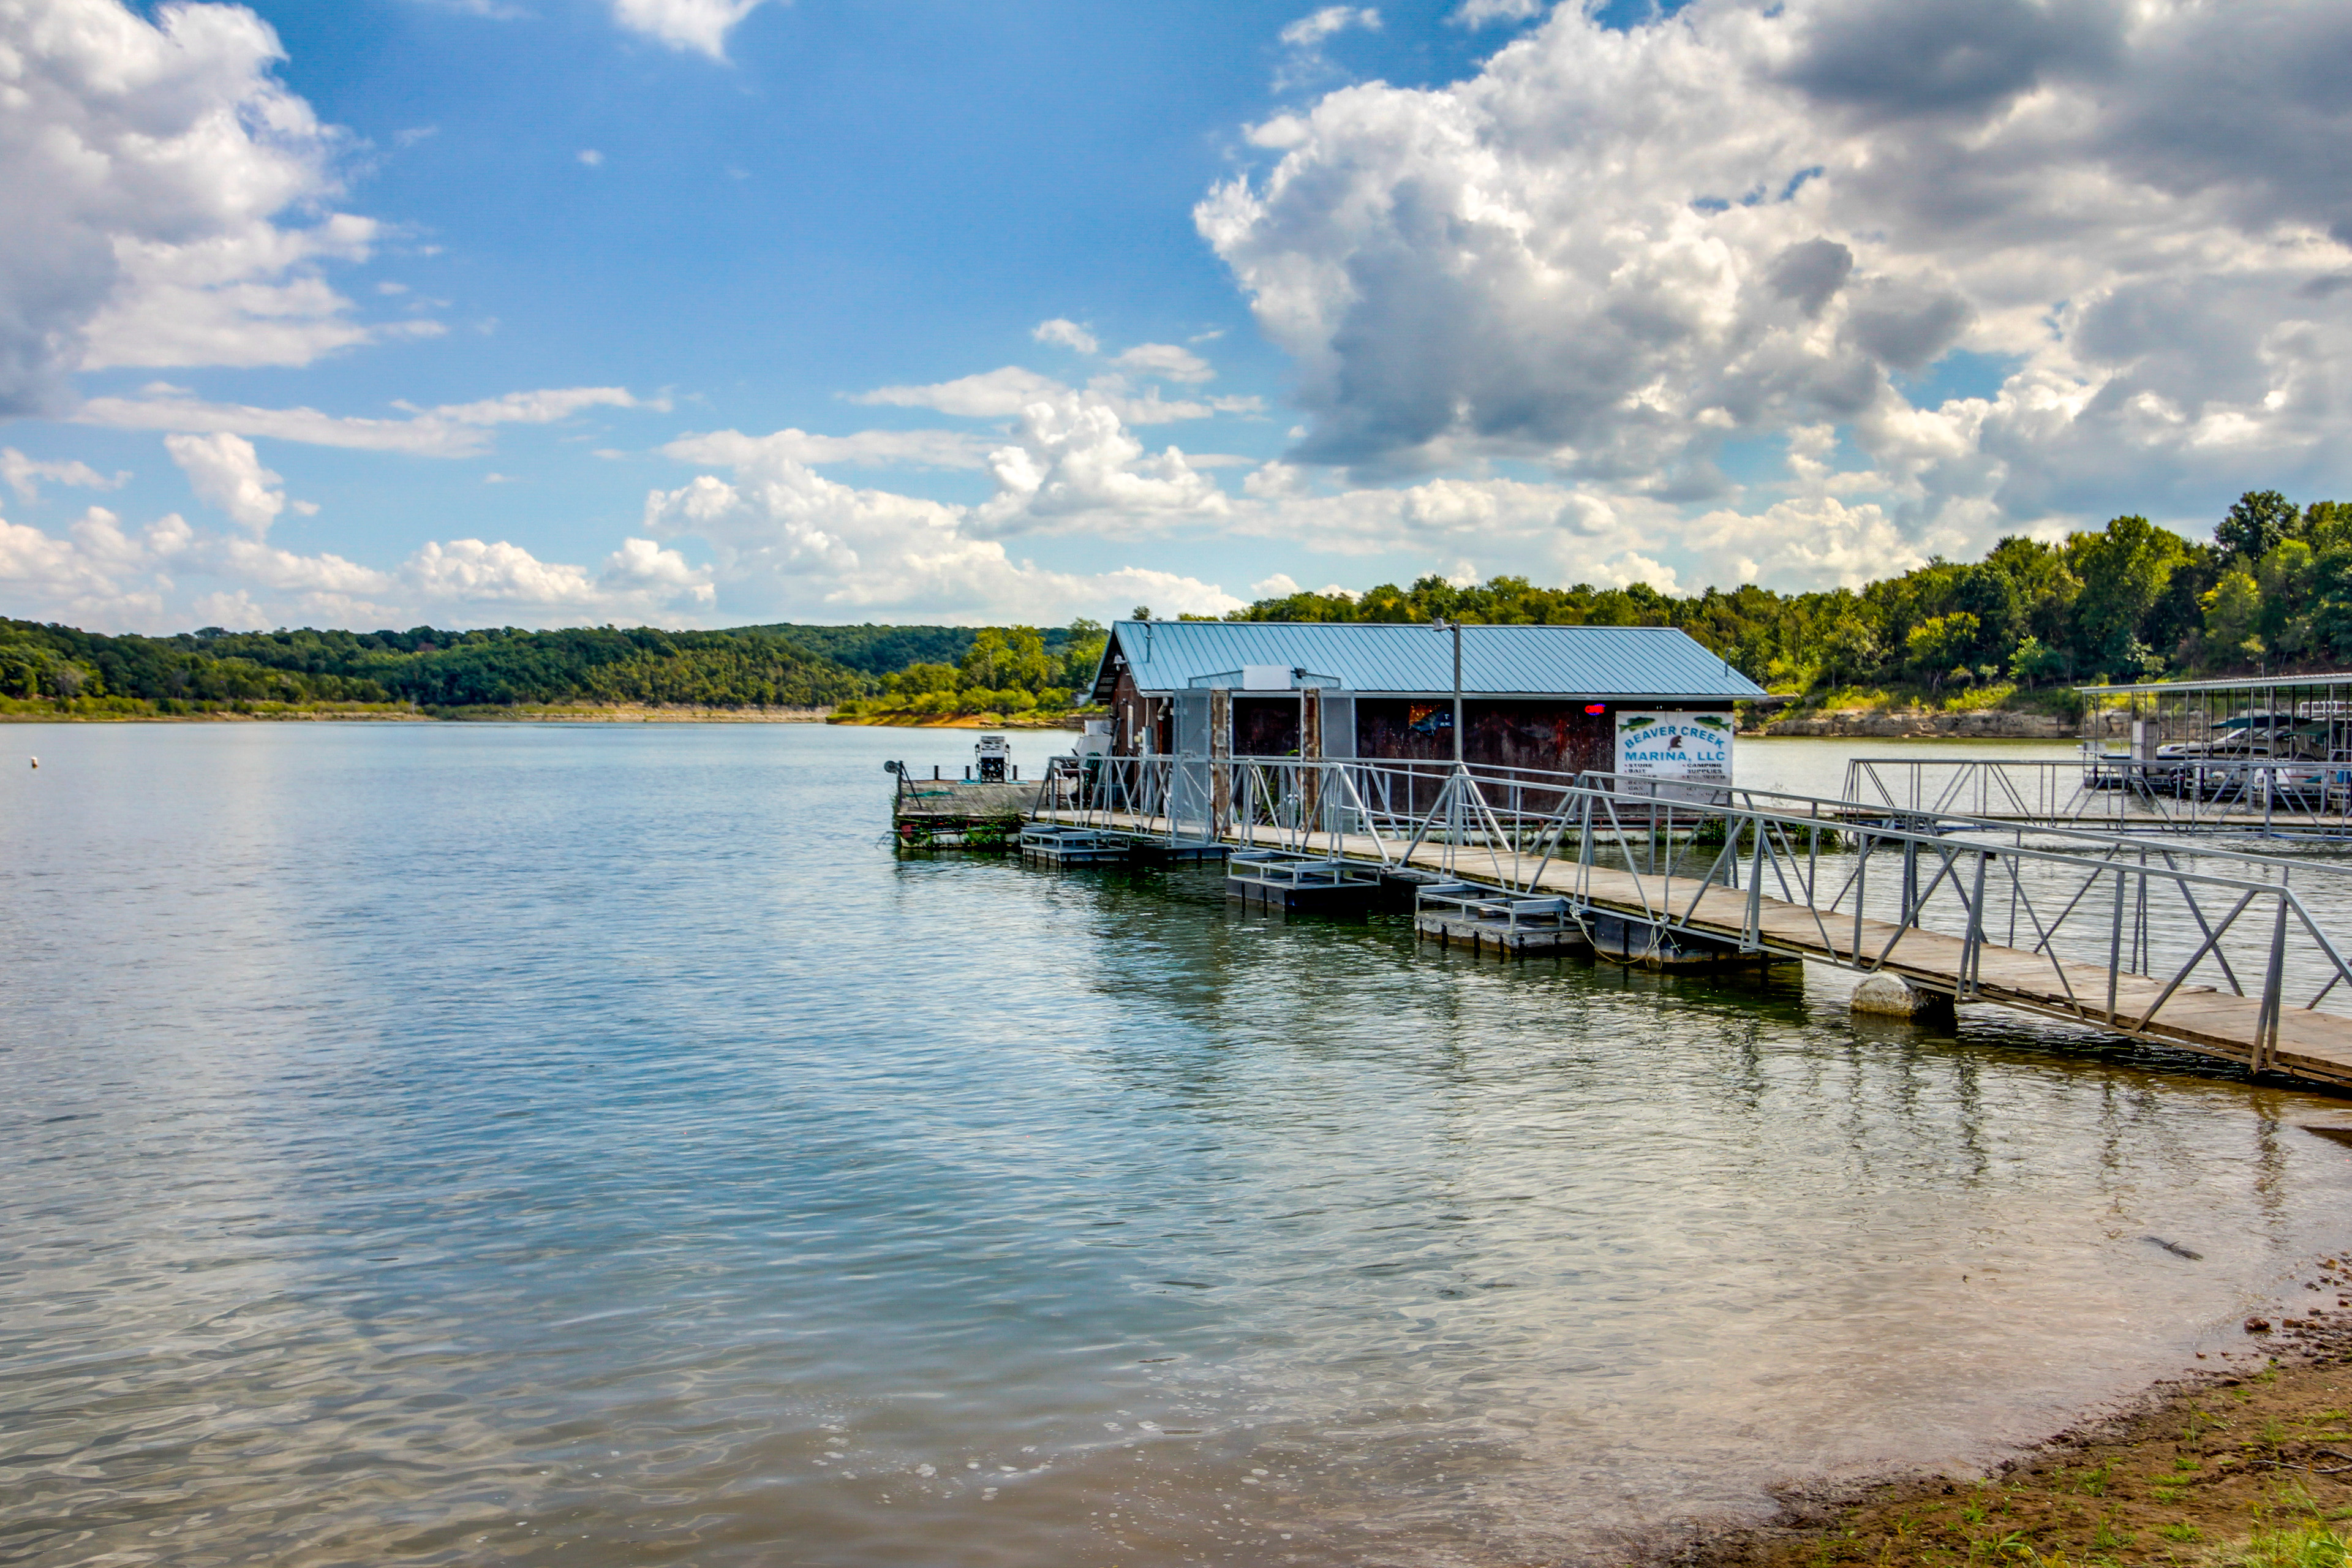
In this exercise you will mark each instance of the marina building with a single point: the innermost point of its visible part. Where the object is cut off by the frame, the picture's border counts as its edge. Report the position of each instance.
(1636, 700)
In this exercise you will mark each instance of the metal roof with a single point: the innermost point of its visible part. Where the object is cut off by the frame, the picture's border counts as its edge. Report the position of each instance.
(1418, 660)
(2225, 683)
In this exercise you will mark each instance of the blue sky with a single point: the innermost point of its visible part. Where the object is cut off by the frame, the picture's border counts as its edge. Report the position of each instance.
(933, 311)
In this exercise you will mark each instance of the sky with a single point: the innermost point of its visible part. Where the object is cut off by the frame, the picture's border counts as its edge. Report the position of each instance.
(374, 313)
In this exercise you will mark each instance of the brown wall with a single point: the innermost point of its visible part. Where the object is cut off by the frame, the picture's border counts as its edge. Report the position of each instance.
(1553, 737)
(1142, 723)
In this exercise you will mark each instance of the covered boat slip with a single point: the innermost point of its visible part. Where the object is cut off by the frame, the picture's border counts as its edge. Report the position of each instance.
(2263, 755)
(2217, 951)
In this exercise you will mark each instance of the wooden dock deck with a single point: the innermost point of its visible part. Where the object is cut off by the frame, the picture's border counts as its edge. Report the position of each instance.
(926, 812)
(2309, 1045)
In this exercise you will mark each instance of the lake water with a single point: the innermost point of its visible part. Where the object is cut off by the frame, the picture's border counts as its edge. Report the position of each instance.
(450, 1144)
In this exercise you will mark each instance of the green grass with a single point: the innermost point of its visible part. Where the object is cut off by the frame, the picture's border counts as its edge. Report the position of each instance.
(2310, 1545)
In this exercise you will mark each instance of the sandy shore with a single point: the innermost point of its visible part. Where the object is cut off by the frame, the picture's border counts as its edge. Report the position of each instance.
(2253, 1447)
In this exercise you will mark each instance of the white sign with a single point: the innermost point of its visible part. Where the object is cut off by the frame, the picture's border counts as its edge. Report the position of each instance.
(1694, 746)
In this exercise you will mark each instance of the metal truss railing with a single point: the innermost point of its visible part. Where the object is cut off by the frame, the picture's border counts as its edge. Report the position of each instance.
(2105, 928)
(2279, 797)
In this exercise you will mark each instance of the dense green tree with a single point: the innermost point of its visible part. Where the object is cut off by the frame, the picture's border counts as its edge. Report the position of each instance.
(2123, 569)
(1082, 653)
(2255, 524)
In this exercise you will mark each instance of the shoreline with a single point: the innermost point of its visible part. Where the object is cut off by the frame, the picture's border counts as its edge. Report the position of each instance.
(618, 713)
(948, 721)
(2255, 1443)
(1923, 724)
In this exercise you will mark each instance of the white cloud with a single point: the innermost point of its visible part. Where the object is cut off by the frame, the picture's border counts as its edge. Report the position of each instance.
(791, 542)
(1313, 28)
(149, 167)
(170, 577)
(1627, 254)
(1004, 392)
(1076, 464)
(1479, 13)
(24, 474)
(225, 472)
(452, 430)
(541, 407)
(1069, 335)
(1305, 40)
(1167, 361)
(592, 158)
(992, 394)
(467, 579)
(77, 579)
(919, 449)
(697, 24)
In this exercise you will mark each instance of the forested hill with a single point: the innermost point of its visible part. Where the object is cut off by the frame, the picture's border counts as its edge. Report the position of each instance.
(427, 668)
(886, 650)
(55, 668)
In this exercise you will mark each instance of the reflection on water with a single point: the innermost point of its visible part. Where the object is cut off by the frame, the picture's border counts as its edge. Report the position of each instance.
(453, 1144)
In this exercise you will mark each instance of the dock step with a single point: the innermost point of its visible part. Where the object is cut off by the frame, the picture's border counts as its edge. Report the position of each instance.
(1299, 886)
(1050, 845)
(1498, 937)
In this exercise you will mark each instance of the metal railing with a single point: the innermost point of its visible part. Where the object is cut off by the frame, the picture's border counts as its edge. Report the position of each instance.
(2105, 928)
(2279, 797)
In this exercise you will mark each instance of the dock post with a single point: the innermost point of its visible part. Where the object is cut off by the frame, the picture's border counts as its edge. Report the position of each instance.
(2116, 948)
(1860, 871)
(1754, 936)
(1972, 945)
(2266, 1024)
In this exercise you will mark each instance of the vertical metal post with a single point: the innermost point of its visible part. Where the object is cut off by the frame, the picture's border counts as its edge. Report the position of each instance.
(1972, 945)
(2115, 946)
(1910, 880)
(1756, 887)
(2267, 1026)
(1457, 694)
(2142, 937)
(1861, 870)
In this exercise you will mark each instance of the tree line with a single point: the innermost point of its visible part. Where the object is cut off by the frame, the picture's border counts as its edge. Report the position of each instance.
(423, 668)
(2127, 602)
(61, 668)
(1003, 670)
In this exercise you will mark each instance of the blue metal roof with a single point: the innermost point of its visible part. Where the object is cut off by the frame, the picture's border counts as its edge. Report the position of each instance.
(1418, 660)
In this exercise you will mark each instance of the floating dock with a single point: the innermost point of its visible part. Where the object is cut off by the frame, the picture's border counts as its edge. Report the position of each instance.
(933, 812)
(1052, 844)
(1295, 886)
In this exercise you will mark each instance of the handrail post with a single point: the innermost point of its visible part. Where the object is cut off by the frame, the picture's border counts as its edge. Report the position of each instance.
(1911, 877)
(2115, 947)
(2267, 1028)
(1861, 874)
(1972, 945)
(1754, 941)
